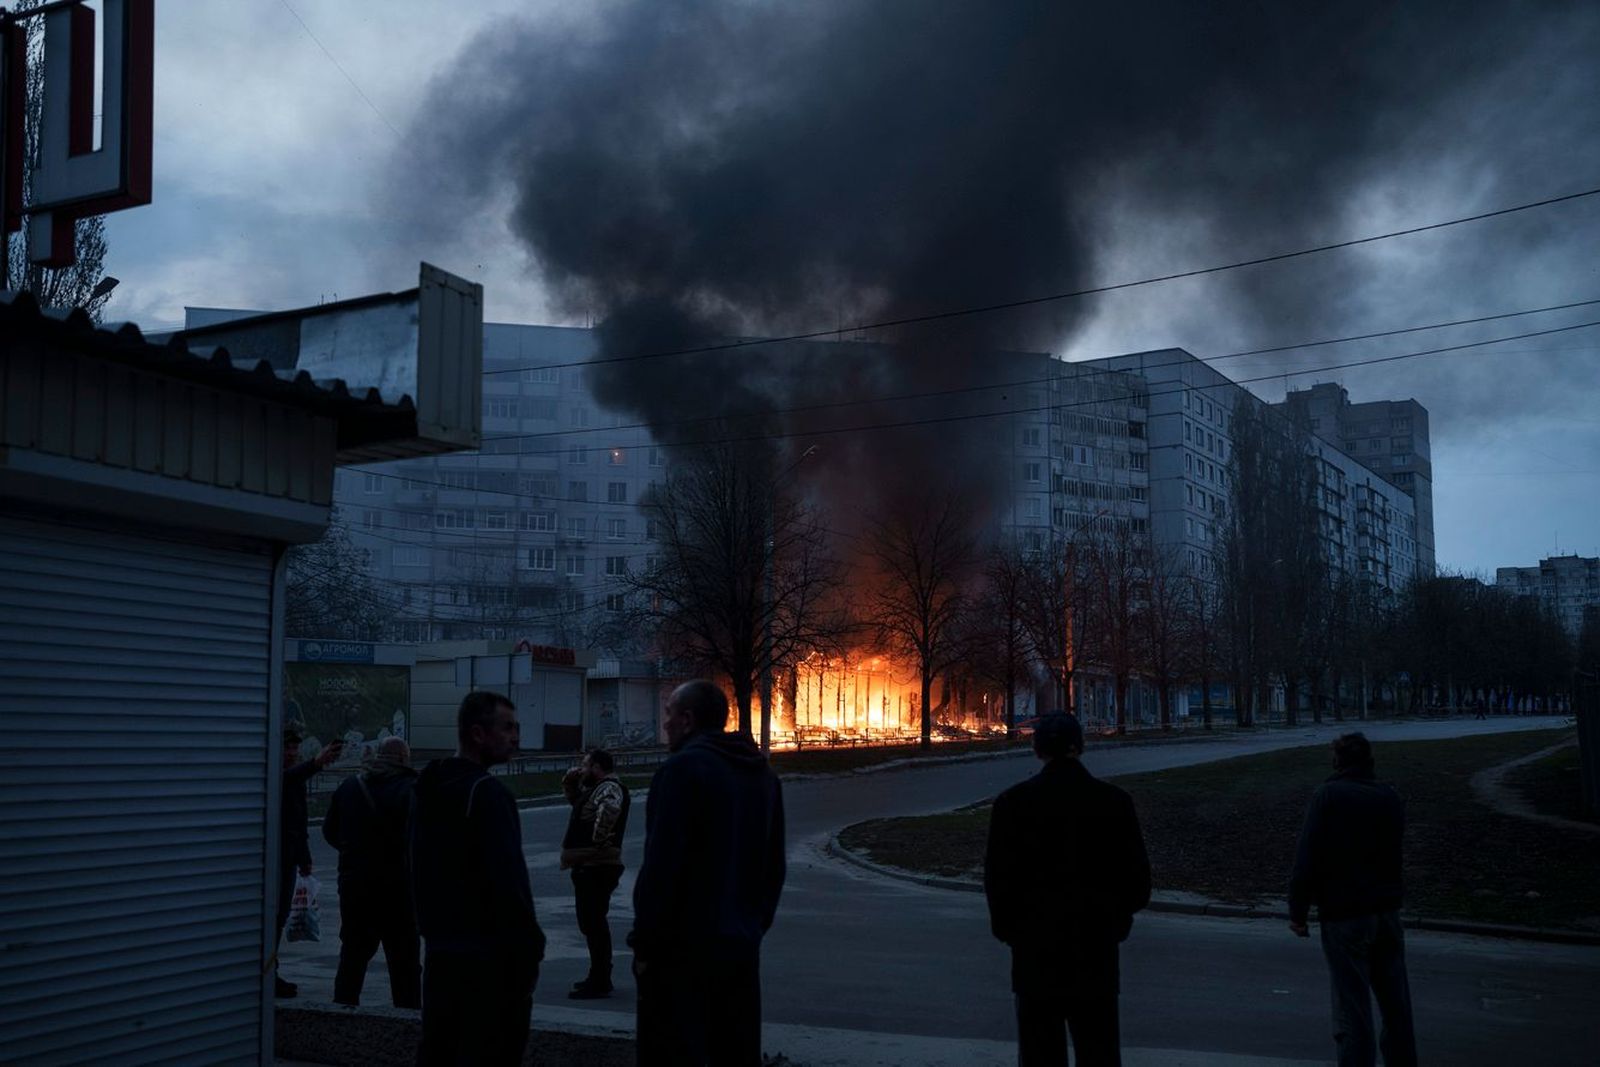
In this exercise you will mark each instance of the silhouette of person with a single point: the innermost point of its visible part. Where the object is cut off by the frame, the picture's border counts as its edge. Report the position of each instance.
(1064, 872)
(1348, 864)
(294, 841)
(474, 903)
(368, 823)
(592, 851)
(707, 890)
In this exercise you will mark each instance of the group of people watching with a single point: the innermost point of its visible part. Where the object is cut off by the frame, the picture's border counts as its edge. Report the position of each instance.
(439, 854)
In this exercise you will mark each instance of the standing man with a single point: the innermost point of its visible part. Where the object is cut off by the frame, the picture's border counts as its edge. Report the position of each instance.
(294, 842)
(1348, 865)
(592, 850)
(1064, 873)
(474, 904)
(707, 890)
(368, 823)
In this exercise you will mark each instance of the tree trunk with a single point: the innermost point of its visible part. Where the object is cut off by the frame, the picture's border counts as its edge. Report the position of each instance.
(1316, 697)
(1122, 703)
(927, 712)
(1166, 707)
(1338, 685)
(1291, 700)
(743, 690)
(1205, 700)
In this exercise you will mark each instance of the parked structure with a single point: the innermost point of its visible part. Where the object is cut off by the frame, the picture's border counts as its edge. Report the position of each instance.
(148, 494)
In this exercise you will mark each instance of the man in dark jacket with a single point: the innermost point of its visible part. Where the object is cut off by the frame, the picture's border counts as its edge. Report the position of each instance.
(592, 851)
(368, 823)
(294, 841)
(474, 904)
(1348, 865)
(707, 890)
(1064, 873)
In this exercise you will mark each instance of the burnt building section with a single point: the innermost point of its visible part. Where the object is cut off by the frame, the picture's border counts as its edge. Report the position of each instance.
(1388, 437)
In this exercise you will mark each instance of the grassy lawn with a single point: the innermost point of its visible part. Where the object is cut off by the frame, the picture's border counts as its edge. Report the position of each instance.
(1228, 829)
(1551, 785)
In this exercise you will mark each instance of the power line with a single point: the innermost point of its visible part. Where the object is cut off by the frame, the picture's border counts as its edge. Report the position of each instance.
(340, 67)
(1112, 287)
(973, 416)
(959, 390)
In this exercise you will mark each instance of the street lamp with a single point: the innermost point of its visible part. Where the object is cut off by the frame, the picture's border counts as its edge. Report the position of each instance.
(766, 603)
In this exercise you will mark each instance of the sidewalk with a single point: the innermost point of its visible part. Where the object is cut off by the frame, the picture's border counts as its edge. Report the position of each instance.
(577, 1036)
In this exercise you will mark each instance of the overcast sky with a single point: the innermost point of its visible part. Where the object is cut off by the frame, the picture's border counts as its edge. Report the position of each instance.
(281, 179)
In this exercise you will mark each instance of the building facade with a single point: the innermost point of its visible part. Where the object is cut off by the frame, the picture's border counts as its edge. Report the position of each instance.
(1566, 585)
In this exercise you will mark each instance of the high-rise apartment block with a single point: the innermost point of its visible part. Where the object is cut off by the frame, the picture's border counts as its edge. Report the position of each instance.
(1565, 585)
(1388, 437)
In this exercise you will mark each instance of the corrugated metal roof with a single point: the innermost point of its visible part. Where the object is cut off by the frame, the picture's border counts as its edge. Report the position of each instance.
(21, 316)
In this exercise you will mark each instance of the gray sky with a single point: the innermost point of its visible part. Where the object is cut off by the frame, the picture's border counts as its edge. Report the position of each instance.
(278, 182)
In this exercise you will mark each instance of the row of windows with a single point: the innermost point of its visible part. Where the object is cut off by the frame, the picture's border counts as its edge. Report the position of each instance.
(617, 457)
(1205, 470)
(1205, 440)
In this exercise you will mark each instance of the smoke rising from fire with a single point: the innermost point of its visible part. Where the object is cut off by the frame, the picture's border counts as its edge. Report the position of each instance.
(686, 171)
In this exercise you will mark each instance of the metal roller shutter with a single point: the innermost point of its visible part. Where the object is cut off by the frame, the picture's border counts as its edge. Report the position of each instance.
(134, 689)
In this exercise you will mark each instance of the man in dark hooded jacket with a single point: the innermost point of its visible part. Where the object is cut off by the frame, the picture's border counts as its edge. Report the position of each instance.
(707, 890)
(368, 823)
(1348, 864)
(1064, 873)
(474, 904)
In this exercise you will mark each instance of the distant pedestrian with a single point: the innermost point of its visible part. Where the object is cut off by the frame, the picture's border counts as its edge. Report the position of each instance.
(707, 890)
(474, 903)
(368, 823)
(1348, 865)
(592, 851)
(1064, 873)
(294, 840)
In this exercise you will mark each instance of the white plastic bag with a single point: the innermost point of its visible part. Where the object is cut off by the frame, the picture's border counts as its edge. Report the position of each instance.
(303, 922)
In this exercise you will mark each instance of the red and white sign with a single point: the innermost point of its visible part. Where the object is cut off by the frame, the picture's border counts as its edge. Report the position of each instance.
(73, 179)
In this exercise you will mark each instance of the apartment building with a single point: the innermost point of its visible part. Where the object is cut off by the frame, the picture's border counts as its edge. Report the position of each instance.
(1388, 437)
(1566, 585)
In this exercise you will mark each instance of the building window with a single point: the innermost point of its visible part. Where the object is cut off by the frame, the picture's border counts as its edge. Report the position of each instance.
(540, 559)
(616, 529)
(617, 457)
(576, 601)
(577, 455)
(578, 528)
(500, 407)
(540, 407)
(371, 483)
(578, 491)
(496, 520)
(657, 458)
(1136, 430)
(410, 556)
(652, 529)
(1033, 509)
(458, 479)
(1188, 434)
(1138, 493)
(578, 416)
(371, 519)
(616, 566)
(616, 492)
(1030, 438)
(575, 565)
(1138, 461)
(454, 519)
(536, 521)
(1030, 472)
(616, 601)
(1035, 541)
(536, 484)
(541, 375)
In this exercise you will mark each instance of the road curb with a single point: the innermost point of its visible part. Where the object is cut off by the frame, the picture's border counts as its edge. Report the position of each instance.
(1219, 910)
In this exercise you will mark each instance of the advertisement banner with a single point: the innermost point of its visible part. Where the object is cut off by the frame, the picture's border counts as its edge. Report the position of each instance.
(360, 703)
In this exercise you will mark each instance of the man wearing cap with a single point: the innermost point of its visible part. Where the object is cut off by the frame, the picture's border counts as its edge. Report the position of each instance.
(1064, 873)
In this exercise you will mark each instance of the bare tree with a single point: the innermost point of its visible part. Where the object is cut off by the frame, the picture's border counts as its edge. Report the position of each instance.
(1057, 601)
(1204, 654)
(998, 639)
(1166, 624)
(69, 287)
(1118, 570)
(330, 591)
(925, 558)
(743, 582)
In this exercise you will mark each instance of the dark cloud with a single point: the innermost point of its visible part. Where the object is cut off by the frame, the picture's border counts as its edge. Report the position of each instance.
(693, 170)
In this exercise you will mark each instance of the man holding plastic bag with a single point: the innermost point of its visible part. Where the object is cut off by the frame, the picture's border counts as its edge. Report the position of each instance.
(294, 843)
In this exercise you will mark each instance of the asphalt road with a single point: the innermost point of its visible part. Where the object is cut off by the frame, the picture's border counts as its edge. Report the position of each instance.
(854, 952)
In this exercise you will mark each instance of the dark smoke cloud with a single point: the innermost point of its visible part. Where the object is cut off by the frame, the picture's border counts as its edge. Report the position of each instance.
(685, 171)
